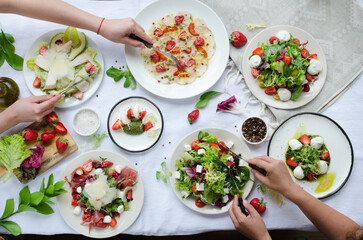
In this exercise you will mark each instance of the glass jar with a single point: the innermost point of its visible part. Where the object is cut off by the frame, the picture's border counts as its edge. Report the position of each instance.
(9, 92)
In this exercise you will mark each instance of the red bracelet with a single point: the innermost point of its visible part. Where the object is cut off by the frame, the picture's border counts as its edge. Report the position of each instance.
(99, 28)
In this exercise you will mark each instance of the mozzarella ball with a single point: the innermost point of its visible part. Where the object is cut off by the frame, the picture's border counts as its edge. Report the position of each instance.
(295, 144)
(77, 210)
(284, 94)
(315, 67)
(120, 208)
(98, 171)
(283, 36)
(255, 61)
(107, 219)
(136, 110)
(124, 119)
(317, 142)
(323, 166)
(298, 172)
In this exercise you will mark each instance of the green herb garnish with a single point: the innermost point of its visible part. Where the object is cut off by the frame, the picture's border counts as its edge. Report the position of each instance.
(204, 99)
(97, 139)
(118, 74)
(7, 52)
(163, 173)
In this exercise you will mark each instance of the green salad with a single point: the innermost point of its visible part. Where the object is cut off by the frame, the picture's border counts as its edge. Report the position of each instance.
(205, 172)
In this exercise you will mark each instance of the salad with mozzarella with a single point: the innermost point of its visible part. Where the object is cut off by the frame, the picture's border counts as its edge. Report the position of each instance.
(284, 67)
(207, 172)
(63, 61)
(308, 157)
(101, 192)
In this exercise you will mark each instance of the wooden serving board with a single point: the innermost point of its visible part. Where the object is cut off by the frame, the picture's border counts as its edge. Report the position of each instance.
(51, 155)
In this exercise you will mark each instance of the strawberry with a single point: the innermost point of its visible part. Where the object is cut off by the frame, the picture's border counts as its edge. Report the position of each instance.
(255, 72)
(88, 166)
(305, 140)
(147, 126)
(199, 41)
(304, 53)
(314, 56)
(230, 164)
(158, 32)
(60, 128)
(179, 19)
(36, 82)
(238, 39)
(78, 95)
(88, 67)
(30, 135)
(190, 62)
(42, 50)
(273, 39)
(270, 90)
(193, 116)
(129, 195)
(117, 125)
(287, 60)
(142, 114)
(306, 87)
(106, 164)
(52, 117)
(195, 146)
(62, 145)
(258, 51)
(325, 154)
(130, 114)
(47, 136)
(292, 162)
(183, 36)
(93, 71)
(259, 205)
(310, 176)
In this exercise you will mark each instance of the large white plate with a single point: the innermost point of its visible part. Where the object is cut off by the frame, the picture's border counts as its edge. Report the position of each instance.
(239, 147)
(126, 218)
(217, 64)
(336, 140)
(133, 143)
(313, 46)
(29, 75)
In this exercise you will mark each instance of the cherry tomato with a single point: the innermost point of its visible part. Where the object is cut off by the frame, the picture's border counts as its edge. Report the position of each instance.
(195, 145)
(296, 40)
(158, 32)
(287, 60)
(199, 203)
(270, 90)
(229, 163)
(190, 62)
(310, 176)
(160, 68)
(154, 57)
(169, 45)
(325, 154)
(74, 203)
(258, 51)
(255, 72)
(187, 50)
(304, 53)
(203, 51)
(194, 189)
(215, 145)
(183, 36)
(179, 19)
(273, 39)
(129, 195)
(199, 41)
(176, 50)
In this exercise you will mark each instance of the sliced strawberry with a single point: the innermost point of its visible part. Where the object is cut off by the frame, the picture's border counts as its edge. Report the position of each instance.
(255, 72)
(106, 164)
(190, 62)
(306, 87)
(60, 128)
(296, 40)
(78, 95)
(187, 50)
(142, 114)
(309, 77)
(199, 41)
(130, 114)
(182, 65)
(179, 19)
(158, 32)
(183, 36)
(117, 125)
(176, 50)
(62, 145)
(273, 39)
(129, 195)
(304, 53)
(292, 162)
(93, 71)
(325, 154)
(169, 45)
(88, 166)
(270, 90)
(287, 60)
(36, 82)
(30, 135)
(191, 29)
(314, 56)
(147, 126)
(47, 136)
(88, 66)
(305, 140)
(229, 163)
(258, 51)
(42, 50)
(160, 68)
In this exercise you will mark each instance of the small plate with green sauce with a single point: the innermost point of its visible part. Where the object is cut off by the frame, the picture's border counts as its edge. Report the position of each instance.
(135, 124)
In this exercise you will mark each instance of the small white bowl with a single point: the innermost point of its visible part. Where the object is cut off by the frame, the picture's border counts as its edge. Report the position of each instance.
(86, 122)
(262, 140)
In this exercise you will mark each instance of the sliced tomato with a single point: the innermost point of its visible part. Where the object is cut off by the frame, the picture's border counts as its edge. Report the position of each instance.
(255, 72)
(183, 36)
(129, 195)
(314, 56)
(308, 77)
(182, 65)
(190, 62)
(191, 29)
(36, 82)
(272, 39)
(169, 45)
(195, 146)
(194, 189)
(287, 60)
(170, 29)
(229, 163)
(162, 57)
(187, 50)
(296, 40)
(154, 57)
(117, 125)
(215, 145)
(199, 41)
(176, 50)
(179, 19)
(202, 51)
(199, 203)
(270, 90)
(305, 140)
(130, 113)
(113, 222)
(258, 51)
(292, 162)
(158, 32)
(325, 154)
(147, 126)
(310, 176)
(142, 114)
(160, 68)
(87, 166)
(304, 53)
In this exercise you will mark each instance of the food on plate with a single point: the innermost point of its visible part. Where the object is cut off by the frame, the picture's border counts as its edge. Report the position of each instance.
(307, 157)
(259, 205)
(9, 92)
(254, 130)
(86, 122)
(193, 116)
(205, 172)
(231, 105)
(238, 39)
(63, 61)
(284, 67)
(101, 192)
(136, 121)
(188, 39)
(62, 145)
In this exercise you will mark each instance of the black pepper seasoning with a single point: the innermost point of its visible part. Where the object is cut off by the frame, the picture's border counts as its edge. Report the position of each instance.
(254, 129)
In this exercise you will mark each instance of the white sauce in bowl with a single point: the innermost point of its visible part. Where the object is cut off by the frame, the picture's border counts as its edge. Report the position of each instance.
(86, 122)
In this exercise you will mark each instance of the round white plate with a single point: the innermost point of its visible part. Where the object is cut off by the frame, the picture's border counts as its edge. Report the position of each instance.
(133, 143)
(336, 140)
(217, 64)
(239, 147)
(123, 222)
(313, 46)
(29, 75)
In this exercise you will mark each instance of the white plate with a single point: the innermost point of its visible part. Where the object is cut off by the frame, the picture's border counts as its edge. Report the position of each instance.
(313, 46)
(29, 75)
(239, 147)
(126, 218)
(133, 143)
(336, 140)
(217, 64)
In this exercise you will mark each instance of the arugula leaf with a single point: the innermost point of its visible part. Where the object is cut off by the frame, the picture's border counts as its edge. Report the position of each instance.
(9, 208)
(115, 73)
(163, 165)
(24, 195)
(12, 227)
(97, 139)
(204, 99)
(163, 174)
(296, 93)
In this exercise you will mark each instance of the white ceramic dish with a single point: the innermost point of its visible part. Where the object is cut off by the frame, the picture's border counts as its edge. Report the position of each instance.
(123, 222)
(239, 147)
(313, 46)
(86, 121)
(162, 8)
(254, 143)
(336, 140)
(29, 75)
(133, 143)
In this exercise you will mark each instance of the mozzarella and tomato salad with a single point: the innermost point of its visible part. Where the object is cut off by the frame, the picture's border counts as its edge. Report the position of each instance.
(284, 67)
(205, 171)
(136, 121)
(101, 192)
(188, 39)
(308, 157)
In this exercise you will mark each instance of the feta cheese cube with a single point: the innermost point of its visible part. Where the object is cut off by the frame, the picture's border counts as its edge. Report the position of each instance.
(98, 171)
(225, 199)
(200, 186)
(229, 144)
(295, 144)
(79, 190)
(184, 193)
(107, 219)
(177, 175)
(230, 158)
(187, 147)
(201, 151)
(118, 168)
(199, 169)
(77, 210)
(242, 163)
(226, 190)
(120, 209)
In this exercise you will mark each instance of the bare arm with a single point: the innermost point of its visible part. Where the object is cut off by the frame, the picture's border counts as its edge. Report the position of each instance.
(329, 221)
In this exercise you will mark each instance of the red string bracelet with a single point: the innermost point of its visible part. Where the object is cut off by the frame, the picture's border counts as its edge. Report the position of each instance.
(99, 28)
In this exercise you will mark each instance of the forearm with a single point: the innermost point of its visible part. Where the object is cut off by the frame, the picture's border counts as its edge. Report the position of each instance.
(52, 10)
(7, 120)
(329, 221)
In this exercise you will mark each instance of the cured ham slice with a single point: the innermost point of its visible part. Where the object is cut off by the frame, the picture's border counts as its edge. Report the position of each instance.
(127, 177)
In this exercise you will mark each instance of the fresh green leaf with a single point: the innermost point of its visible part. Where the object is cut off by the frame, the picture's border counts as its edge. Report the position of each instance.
(50, 181)
(97, 139)
(24, 196)
(158, 173)
(7, 46)
(169, 174)
(44, 208)
(59, 185)
(9, 208)
(287, 71)
(163, 165)
(9, 37)
(2, 57)
(36, 198)
(115, 73)
(50, 191)
(204, 99)
(201, 135)
(14, 60)
(42, 186)
(26, 208)
(59, 192)
(127, 81)
(296, 93)
(12, 227)
(132, 81)
(210, 195)
(165, 180)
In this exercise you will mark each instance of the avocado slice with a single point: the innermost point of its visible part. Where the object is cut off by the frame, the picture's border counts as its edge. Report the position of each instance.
(76, 51)
(57, 37)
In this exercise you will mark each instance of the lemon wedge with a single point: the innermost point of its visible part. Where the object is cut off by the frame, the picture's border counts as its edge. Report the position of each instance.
(71, 34)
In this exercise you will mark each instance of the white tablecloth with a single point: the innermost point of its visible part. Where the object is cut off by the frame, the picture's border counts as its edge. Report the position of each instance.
(163, 213)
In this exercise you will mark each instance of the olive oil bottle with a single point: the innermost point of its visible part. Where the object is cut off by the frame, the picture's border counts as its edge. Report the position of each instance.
(9, 92)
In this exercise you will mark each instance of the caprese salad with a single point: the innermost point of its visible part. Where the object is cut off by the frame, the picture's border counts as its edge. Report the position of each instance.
(308, 157)
(101, 192)
(284, 67)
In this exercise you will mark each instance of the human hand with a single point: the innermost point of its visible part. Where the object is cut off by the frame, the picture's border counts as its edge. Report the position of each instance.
(277, 178)
(119, 30)
(251, 226)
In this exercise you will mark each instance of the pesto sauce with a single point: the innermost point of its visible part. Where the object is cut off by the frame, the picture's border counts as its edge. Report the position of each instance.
(134, 128)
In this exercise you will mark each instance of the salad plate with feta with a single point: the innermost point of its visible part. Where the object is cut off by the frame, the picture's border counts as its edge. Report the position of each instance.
(58, 60)
(105, 194)
(284, 67)
(202, 171)
(316, 150)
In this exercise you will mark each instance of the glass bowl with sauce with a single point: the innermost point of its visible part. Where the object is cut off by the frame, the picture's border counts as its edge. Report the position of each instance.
(254, 130)
(86, 122)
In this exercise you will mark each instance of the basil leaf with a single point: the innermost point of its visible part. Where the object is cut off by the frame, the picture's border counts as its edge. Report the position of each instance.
(44, 208)
(127, 81)
(296, 93)
(14, 60)
(36, 198)
(204, 99)
(2, 57)
(201, 135)
(7, 46)
(26, 208)
(12, 227)
(286, 70)
(9, 208)
(115, 73)
(50, 191)
(132, 81)
(9, 37)
(24, 196)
